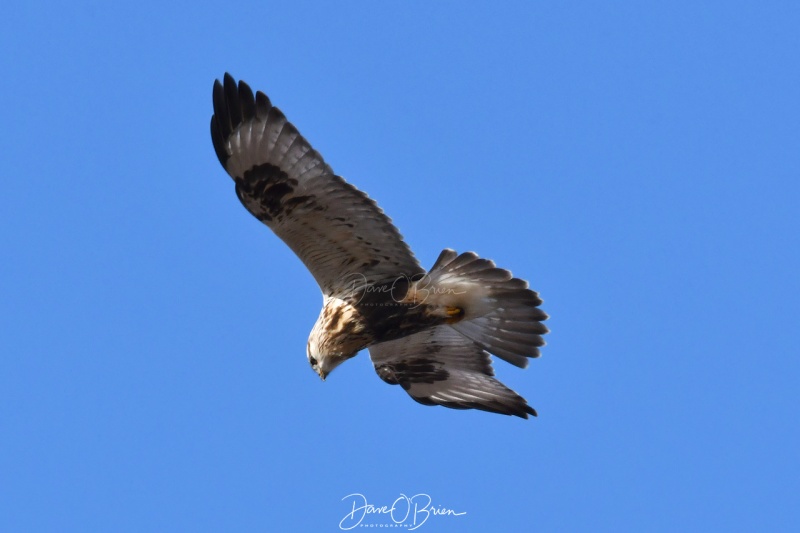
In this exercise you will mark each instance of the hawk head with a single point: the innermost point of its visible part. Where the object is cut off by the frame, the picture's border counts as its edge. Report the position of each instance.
(337, 336)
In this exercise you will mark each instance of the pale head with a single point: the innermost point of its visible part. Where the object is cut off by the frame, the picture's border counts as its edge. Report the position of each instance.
(338, 335)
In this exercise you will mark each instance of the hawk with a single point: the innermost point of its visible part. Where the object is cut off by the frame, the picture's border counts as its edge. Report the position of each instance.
(431, 332)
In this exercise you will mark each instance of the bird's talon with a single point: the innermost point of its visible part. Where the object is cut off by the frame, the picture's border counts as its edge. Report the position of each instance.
(454, 314)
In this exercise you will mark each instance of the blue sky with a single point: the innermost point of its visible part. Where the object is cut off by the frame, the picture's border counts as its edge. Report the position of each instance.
(638, 163)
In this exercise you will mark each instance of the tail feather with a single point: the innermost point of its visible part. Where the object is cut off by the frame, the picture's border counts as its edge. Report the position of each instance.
(501, 313)
(444, 258)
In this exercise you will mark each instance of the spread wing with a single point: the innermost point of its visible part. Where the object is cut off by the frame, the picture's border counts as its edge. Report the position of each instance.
(439, 366)
(337, 231)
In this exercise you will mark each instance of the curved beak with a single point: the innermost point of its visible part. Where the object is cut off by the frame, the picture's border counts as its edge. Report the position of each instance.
(321, 373)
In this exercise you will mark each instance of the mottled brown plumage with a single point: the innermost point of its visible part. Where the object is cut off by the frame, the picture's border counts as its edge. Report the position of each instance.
(431, 332)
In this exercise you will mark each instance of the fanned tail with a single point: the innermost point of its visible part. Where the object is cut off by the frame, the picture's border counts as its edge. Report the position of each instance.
(488, 305)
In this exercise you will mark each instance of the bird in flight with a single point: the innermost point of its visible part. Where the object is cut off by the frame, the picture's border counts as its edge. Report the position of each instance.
(431, 332)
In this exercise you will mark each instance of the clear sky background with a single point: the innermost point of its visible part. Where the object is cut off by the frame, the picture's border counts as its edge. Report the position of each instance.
(637, 162)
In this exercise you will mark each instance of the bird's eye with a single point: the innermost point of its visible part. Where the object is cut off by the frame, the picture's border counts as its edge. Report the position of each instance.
(312, 361)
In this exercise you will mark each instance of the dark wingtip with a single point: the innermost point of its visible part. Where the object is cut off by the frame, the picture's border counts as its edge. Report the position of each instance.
(221, 110)
(247, 99)
(220, 121)
(263, 105)
(522, 410)
(234, 105)
(228, 80)
(518, 408)
(219, 142)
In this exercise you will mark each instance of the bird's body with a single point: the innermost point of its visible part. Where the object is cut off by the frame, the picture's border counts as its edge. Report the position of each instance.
(430, 332)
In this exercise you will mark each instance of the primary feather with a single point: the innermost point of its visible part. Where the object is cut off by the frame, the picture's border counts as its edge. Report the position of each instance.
(338, 232)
